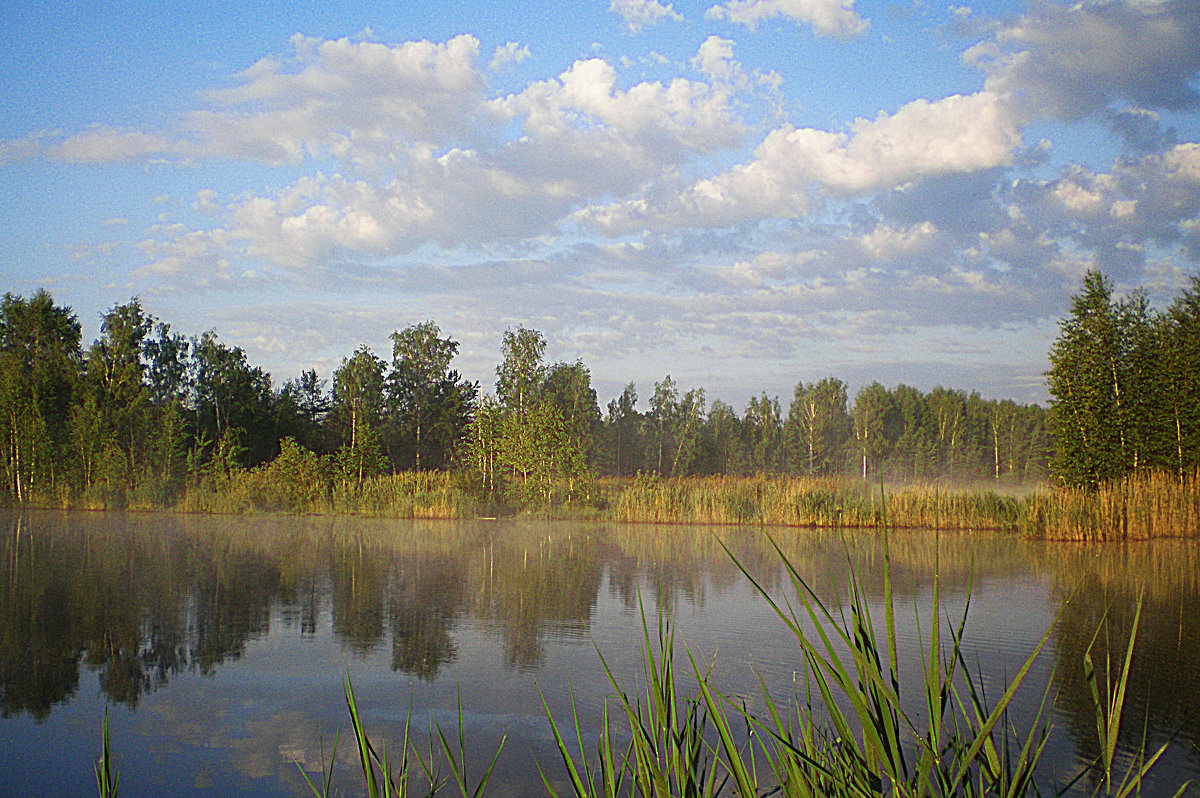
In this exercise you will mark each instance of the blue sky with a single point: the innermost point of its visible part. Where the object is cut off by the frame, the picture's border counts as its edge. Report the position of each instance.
(740, 194)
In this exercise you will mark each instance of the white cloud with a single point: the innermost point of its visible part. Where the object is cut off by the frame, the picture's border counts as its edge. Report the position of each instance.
(828, 17)
(957, 135)
(639, 14)
(890, 244)
(1072, 61)
(509, 53)
(26, 148)
(681, 113)
(583, 137)
(715, 59)
(104, 145)
(205, 201)
(364, 103)
(344, 98)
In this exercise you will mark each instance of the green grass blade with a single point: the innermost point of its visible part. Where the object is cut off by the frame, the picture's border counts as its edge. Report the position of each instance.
(745, 785)
(107, 781)
(365, 752)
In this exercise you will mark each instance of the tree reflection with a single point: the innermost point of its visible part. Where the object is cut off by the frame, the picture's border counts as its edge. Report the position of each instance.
(136, 604)
(532, 581)
(429, 596)
(141, 599)
(1100, 588)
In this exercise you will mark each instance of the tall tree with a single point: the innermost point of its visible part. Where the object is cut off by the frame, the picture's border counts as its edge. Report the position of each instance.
(873, 415)
(764, 431)
(305, 404)
(689, 422)
(568, 387)
(358, 400)
(168, 365)
(724, 444)
(1179, 337)
(116, 375)
(40, 365)
(664, 409)
(818, 426)
(1088, 380)
(622, 433)
(430, 404)
(233, 400)
(521, 371)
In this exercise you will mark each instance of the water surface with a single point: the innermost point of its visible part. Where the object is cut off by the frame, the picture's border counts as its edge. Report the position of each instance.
(219, 645)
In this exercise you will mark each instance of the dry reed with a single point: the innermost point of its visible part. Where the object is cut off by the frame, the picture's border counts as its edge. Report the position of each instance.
(1146, 505)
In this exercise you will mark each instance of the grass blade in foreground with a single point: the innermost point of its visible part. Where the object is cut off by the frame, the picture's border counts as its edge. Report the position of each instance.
(106, 779)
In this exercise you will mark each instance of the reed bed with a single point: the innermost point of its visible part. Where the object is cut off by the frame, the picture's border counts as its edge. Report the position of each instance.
(408, 494)
(807, 501)
(1147, 505)
(423, 495)
(1143, 506)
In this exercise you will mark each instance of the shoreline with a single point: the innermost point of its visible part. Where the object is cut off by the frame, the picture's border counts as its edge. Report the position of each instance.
(1148, 506)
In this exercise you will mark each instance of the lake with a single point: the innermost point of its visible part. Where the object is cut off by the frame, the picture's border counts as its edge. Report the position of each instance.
(218, 645)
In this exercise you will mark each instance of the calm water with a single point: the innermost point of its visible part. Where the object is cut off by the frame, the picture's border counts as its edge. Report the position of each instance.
(219, 645)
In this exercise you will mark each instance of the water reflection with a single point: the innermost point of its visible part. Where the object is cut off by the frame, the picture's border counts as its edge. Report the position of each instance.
(141, 599)
(1100, 589)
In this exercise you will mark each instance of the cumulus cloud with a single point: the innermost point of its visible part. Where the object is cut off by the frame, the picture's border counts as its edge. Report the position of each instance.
(509, 53)
(639, 14)
(583, 137)
(361, 102)
(828, 17)
(716, 61)
(1073, 61)
(679, 113)
(1154, 200)
(958, 134)
(344, 98)
(625, 214)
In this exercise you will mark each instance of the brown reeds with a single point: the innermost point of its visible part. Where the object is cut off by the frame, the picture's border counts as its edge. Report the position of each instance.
(1146, 505)
(806, 501)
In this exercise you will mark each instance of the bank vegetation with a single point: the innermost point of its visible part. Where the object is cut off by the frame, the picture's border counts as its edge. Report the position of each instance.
(146, 418)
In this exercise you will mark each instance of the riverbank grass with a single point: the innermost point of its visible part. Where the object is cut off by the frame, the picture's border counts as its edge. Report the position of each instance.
(1142, 506)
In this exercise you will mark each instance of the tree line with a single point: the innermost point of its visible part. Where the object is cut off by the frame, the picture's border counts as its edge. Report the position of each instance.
(1126, 385)
(148, 411)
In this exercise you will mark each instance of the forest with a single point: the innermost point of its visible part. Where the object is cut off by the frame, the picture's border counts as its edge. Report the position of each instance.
(145, 416)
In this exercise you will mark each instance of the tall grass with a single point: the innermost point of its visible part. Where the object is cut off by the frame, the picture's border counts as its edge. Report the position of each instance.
(805, 501)
(1138, 507)
(407, 494)
(107, 780)
(1142, 506)
(402, 776)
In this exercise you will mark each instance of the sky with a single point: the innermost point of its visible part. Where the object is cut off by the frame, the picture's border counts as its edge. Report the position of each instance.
(742, 194)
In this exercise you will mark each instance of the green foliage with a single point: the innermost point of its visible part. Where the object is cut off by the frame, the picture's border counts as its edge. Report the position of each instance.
(230, 393)
(1123, 378)
(521, 372)
(429, 405)
(817, 426)
(40, 366)
(298, 480)
(542, 456)
(361, 457)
